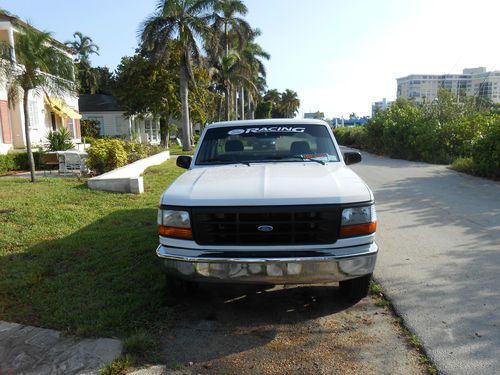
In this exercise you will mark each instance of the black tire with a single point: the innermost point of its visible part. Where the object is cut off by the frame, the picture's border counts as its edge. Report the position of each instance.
(356, 289)
(176, 289)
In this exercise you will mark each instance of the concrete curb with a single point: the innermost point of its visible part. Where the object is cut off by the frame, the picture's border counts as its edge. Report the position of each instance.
(32, 350)
(127, 179)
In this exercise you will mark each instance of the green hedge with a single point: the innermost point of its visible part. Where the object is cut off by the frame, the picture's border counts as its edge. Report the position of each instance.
(18, 161)
(352, 136)
(443, 131)
(106, 154)
(486, 151)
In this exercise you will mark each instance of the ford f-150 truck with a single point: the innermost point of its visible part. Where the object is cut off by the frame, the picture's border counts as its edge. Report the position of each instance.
(268, 202)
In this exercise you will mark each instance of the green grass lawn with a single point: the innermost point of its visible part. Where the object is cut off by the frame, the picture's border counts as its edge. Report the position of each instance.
(177, 150)
(79, 260)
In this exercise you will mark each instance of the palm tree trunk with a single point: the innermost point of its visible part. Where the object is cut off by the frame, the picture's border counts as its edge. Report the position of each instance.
(235, 103)
(184, 91)
(220, 108)
(228, 103)
(226, 41)
(27, 133)
(242, 103)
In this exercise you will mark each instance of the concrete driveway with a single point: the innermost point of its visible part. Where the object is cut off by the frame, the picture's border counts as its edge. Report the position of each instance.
(439, 234)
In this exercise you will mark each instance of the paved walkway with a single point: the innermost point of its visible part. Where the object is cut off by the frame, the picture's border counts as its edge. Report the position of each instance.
(38, 174)
(31, 350)
(439, 259)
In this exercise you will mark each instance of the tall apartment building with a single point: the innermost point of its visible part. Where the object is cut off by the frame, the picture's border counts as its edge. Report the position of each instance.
(472, 82)
(380, 106)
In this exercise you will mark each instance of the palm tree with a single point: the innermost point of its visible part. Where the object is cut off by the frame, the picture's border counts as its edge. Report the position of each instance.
(185, 22)
(227, 23)
(42, 68)
(83, 47)
(228, 72)
(290, 103)
(274, 97)
(252, 56)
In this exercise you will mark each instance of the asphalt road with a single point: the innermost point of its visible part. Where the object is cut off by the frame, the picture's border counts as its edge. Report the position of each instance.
(439, 235)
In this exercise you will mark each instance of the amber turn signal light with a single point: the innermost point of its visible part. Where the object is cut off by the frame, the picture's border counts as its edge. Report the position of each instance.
(184, 233)
(358, 230)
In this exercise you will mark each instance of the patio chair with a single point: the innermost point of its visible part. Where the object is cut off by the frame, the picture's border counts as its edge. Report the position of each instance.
(71, 162)
(49, 160)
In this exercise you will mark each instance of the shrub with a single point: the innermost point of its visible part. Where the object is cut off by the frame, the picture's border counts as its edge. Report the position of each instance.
(465, 165)
(135, 151)
(59, 140)
(90, 128)
(7, 163)
(352, 136)
(105, 155)
(486, 151)
(18, 161)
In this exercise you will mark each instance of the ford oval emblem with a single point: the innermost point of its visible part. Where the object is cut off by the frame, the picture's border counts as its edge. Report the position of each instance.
(265, 228)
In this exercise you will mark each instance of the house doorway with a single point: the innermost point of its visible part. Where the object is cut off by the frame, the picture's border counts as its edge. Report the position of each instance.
(53, 121)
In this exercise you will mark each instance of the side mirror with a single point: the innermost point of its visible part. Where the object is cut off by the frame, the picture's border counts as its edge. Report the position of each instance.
(184, 161)
(352, 158)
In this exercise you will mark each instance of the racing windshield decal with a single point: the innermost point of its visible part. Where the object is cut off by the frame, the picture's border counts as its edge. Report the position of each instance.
(271, 129)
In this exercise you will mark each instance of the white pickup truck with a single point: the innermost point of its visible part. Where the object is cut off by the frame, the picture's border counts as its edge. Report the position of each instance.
(268, 202)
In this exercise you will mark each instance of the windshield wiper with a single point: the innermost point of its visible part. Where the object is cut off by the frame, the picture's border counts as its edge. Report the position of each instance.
(301, 158)
(227, 161)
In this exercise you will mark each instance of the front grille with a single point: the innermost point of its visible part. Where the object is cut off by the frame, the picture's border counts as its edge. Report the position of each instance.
(300, 225)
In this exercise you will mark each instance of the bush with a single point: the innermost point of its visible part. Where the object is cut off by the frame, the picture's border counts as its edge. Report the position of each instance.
(18, 161)
(59, 140)
(7, 163)
(90, 128)
(352, 136)
(486, 151)
(104, 155)
(465, 165)
(136, 151)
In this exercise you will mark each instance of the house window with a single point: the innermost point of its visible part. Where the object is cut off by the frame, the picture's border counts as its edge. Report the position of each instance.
(71, 126)
(33, 114)
(152, 131)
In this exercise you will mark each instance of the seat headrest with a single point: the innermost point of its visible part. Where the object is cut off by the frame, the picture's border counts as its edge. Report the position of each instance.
(233, 146)
(300, 148)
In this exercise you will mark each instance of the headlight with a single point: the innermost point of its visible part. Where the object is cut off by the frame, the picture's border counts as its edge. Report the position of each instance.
(173, 223)
(358, 221)
(171, 218)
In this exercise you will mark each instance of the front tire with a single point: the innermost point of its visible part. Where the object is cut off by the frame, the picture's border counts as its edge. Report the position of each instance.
(356, 289)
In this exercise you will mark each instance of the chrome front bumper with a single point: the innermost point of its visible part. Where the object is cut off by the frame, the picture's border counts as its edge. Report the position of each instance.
(325, 268)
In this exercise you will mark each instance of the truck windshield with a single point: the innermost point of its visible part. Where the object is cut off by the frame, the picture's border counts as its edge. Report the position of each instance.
(267, 143)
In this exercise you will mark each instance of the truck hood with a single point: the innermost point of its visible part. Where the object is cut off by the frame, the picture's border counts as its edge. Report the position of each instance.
(294, 183)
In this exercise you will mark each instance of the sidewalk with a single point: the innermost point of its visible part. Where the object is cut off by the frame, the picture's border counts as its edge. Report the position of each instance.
(31, 350)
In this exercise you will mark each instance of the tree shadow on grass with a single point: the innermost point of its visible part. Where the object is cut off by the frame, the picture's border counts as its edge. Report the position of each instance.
(100, 280)
(105, 280)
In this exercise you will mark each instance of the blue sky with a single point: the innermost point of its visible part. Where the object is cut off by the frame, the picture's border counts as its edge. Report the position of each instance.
(338, 55)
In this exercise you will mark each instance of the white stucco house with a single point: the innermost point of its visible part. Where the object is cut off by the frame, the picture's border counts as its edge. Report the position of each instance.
(112, 120)
(47, 113)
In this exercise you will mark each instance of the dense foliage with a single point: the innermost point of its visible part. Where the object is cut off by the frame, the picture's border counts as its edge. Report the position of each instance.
(443, 131)
(106, 155)
(89, 128)
(18, 161)
(284, 105)
(59, 140)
